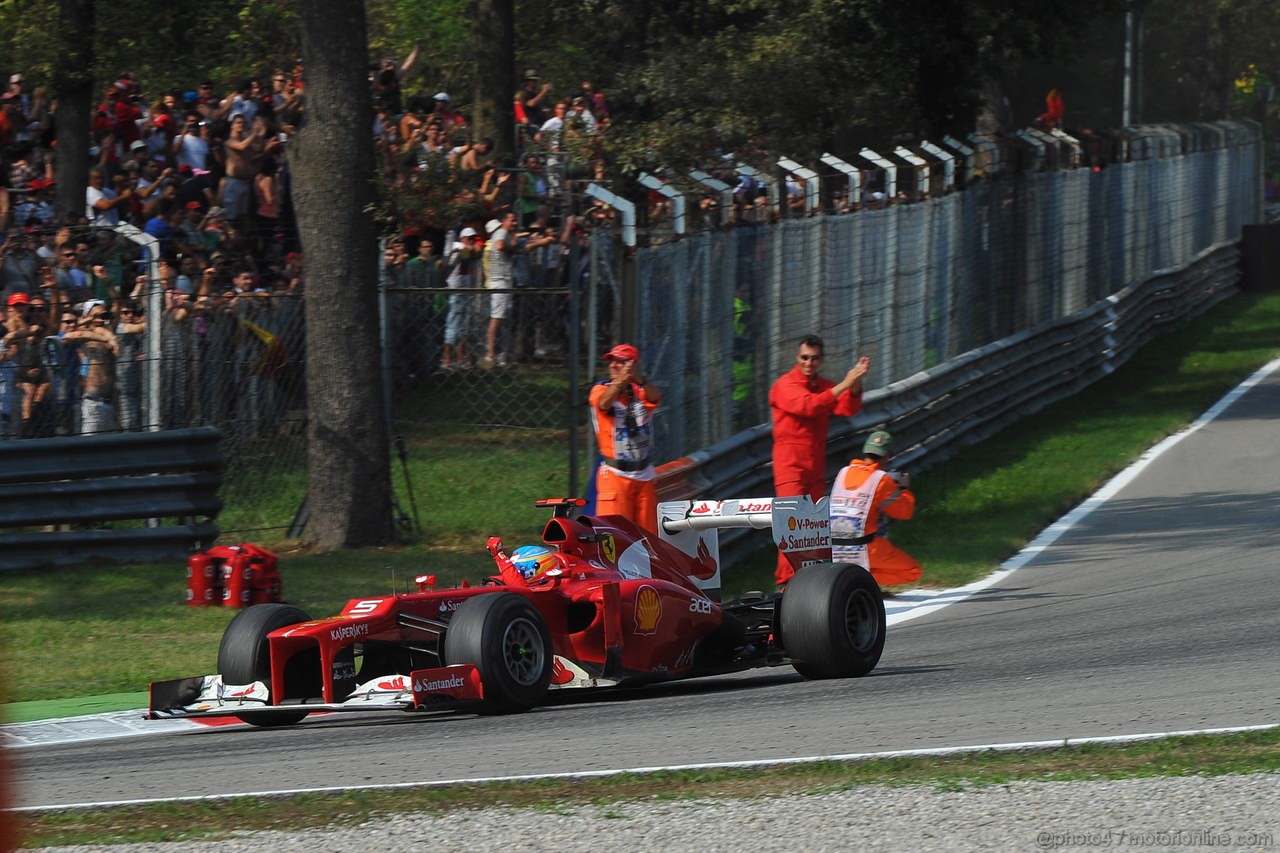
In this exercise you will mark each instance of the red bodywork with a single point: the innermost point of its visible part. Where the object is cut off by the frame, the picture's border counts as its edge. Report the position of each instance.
(609, 625)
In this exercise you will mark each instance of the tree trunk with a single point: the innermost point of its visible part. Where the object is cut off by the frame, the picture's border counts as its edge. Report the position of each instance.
(494, 30)
(331, 158)
(73, 88)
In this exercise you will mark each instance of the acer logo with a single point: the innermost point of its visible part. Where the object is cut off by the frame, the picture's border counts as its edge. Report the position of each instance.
(700, 605)
(396, 683)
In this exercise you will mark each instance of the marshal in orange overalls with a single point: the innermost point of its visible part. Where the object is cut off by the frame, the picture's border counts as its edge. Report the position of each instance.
(624, 433)
(888, 564)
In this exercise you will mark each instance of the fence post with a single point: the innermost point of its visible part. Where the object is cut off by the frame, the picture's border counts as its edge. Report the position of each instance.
(384, 336)
(155, 312)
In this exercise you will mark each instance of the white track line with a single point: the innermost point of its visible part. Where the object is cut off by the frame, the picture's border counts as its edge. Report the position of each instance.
(1051, 533)
(676, 768)
(103, 726)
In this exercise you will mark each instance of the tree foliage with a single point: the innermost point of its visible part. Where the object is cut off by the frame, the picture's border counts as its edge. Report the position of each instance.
(1200, 48)
(685, 77)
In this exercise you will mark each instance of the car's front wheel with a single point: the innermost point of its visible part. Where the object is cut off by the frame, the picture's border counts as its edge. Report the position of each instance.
(832, 621)
(506, 638)
(244, 656)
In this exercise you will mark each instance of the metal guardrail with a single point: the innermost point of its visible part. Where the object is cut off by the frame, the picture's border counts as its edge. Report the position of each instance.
(50, 489)
(971, 397)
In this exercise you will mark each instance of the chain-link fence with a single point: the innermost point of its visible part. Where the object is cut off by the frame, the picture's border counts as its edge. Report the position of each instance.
(495, 369)
(113, 337)
(913, 285)
(483, 382)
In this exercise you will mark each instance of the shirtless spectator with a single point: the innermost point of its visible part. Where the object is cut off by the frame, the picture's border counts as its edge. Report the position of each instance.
(245, 149)
(98, 349)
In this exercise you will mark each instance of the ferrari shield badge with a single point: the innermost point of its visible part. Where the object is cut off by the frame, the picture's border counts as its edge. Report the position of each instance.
(609, 548)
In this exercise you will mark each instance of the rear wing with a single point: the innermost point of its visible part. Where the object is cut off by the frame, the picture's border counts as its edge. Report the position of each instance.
(800, 526)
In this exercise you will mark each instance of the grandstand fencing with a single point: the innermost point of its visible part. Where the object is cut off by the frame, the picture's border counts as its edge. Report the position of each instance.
(913, 285)
(716, 312)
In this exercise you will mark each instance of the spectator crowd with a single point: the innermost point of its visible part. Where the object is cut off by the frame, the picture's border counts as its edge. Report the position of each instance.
(205, 172)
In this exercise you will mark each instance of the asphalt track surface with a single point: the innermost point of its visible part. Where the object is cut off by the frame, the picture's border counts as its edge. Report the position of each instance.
(1155, 612)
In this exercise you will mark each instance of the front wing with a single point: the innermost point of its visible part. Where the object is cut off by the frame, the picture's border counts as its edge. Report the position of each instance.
(209, 696)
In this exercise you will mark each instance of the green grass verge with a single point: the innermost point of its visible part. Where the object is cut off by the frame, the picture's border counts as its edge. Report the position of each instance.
(1252, 752)
(90, 631)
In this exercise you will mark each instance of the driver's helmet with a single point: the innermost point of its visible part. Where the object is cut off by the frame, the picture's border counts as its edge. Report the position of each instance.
(533, 561)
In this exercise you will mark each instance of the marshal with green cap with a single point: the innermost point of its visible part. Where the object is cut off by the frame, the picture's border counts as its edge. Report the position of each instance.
(877, 444)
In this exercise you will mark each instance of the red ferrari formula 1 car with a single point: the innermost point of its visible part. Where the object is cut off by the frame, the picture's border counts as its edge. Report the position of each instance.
(601, 603)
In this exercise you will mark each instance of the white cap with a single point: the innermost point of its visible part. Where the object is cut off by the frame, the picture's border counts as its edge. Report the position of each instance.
(441, 96)
(15, 78)
(492, 225)
(468, 232)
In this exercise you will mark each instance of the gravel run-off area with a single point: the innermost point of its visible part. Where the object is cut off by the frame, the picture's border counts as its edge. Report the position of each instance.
(1167, 813)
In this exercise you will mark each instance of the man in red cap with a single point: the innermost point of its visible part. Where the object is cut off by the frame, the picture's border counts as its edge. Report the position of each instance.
(17, 304)
(621, 407)
(802, 402)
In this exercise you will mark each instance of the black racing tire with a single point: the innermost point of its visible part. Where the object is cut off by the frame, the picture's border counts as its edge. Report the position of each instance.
(244, 656)
(832, 621)
(506, 638)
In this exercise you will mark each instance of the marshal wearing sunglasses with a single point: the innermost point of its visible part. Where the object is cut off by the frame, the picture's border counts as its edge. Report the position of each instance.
(802, 402)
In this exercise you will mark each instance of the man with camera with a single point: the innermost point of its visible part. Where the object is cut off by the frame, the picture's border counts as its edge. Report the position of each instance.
(863, 499)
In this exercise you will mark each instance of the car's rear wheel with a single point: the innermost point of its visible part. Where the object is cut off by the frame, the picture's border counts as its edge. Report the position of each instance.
(506, 638)
(832, 621)
(244, 657)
